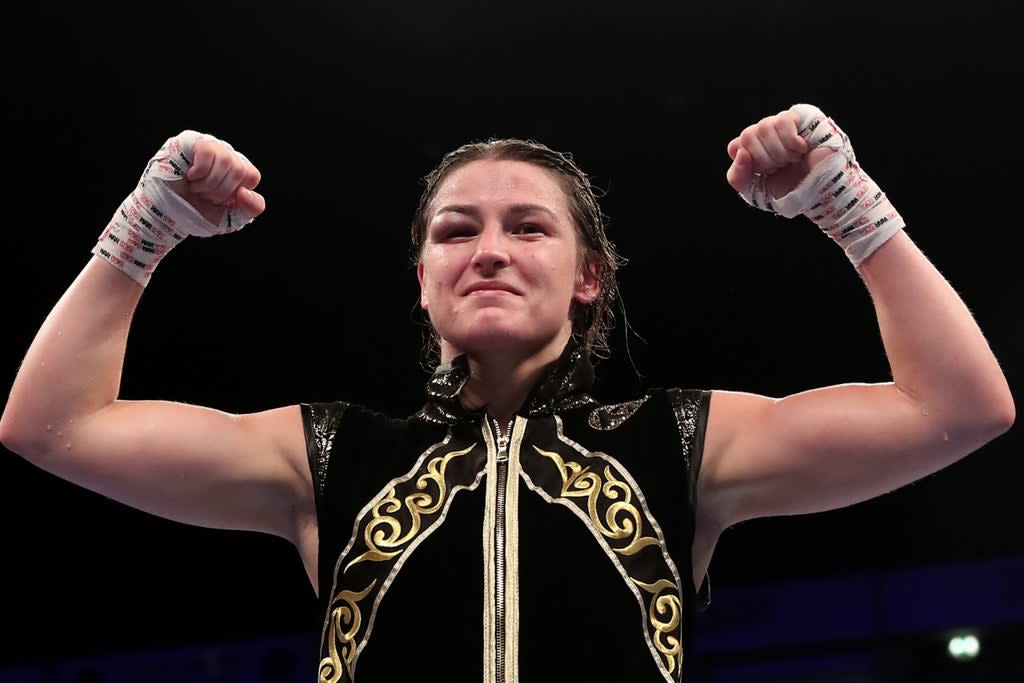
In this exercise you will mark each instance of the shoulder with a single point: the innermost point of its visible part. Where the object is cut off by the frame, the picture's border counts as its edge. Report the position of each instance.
(345, 425)
(675, 413)
(322, 420)
(685, 400)
(686, 406)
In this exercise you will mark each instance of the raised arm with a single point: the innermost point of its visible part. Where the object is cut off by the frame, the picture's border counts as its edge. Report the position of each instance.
(834, 446)
(187, 463)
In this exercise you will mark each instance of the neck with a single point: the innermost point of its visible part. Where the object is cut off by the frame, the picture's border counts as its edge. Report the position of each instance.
(501, 380)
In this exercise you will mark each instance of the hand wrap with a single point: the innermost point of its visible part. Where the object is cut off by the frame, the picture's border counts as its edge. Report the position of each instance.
(154, 218)
(837, 195)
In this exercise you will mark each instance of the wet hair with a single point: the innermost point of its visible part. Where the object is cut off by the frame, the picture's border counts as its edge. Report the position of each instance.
(591, 323)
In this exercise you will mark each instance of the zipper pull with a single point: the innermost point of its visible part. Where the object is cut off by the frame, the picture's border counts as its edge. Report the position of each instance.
(503, 440)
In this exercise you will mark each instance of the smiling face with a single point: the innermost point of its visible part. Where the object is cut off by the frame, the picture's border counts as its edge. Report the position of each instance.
(501, 262)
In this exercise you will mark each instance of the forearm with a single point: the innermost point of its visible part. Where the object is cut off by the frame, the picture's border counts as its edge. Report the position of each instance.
(938, 355)
(73, 365)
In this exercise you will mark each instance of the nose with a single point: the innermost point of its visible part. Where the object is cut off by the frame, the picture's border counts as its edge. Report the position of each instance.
(491, 251)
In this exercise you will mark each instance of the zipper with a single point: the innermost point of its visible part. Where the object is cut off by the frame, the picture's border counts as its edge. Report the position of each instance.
(502, 439)
(499, 549)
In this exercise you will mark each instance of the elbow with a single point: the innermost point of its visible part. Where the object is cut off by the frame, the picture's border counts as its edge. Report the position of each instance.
(16, 438)
(1004, 415)
(1002, 411)
(8, 438)
(975, 419)
(995, 416)
(6, 428)
(9, 434)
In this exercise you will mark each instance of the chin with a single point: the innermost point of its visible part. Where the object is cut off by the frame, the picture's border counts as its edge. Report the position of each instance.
(503, 337)
(493, 330)
(491, 340)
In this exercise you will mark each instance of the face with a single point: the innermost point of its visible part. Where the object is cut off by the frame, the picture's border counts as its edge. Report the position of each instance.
(500, 265)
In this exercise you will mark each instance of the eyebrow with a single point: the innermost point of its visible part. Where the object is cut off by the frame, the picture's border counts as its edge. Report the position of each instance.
(470, 210)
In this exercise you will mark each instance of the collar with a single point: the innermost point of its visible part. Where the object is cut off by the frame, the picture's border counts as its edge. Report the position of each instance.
(561, 387)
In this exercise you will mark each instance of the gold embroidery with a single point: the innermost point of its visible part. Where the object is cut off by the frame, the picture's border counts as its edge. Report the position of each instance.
(665, 612)
(603, 494)
(345, 621)
(387, 534)
(385, 531)
(622, 518)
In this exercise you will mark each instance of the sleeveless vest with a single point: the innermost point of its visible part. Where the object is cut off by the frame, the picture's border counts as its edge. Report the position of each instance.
(556, 548)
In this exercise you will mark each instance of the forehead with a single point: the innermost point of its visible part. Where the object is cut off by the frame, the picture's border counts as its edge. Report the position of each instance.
(490, 182)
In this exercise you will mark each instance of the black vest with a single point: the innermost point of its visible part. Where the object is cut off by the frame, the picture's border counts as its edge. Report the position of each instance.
(559, 552)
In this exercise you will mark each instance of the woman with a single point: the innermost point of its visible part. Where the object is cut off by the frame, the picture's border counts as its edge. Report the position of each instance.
(514, 527)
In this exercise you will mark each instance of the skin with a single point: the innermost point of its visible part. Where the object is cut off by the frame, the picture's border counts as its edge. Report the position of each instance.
(499, 269)
(763, 456)
(835, 446)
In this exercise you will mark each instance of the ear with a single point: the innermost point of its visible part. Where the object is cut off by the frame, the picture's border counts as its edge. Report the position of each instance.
(588, 284)
(424, 303)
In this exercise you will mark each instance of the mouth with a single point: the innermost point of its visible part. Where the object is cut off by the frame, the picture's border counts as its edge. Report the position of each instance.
(491, 287)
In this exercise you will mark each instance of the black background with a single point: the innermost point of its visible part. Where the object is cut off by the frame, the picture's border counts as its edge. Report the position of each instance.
(344, 107)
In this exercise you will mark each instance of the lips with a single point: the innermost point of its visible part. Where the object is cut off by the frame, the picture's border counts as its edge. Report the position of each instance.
(491, 286)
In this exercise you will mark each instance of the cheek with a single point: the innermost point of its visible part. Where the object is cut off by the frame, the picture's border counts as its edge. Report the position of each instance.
(541, 265)
(436, 270)
(562, 274)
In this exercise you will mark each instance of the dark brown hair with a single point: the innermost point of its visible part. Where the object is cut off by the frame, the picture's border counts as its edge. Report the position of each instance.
(591, 322)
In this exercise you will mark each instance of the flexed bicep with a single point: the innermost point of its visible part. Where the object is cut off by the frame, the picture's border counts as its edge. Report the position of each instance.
(191, 464)
(821, 449)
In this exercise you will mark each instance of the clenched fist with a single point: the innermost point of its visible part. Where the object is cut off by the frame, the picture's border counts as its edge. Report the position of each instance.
(773, 147)
(220, 179)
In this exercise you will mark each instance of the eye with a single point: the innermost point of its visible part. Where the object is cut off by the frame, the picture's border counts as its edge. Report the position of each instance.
(454, 233)
(529, 228)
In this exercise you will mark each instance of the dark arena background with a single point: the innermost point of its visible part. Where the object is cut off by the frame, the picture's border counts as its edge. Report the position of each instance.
(343, 107)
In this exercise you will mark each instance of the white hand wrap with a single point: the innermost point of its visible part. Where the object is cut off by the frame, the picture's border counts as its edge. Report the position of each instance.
(154, 218)
(837, 195)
